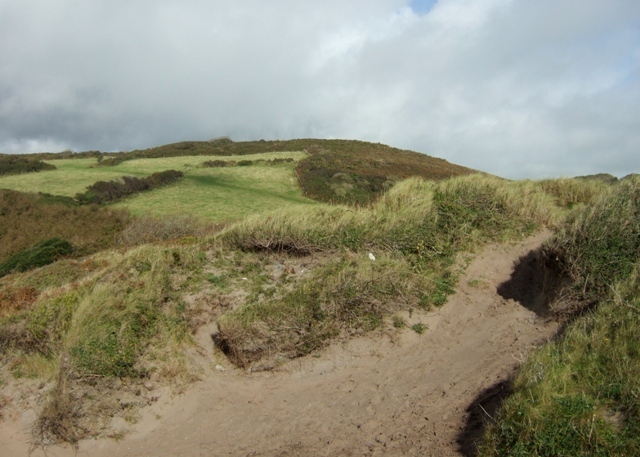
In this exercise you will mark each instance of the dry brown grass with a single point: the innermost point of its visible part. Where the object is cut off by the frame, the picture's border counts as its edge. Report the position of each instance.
(26, 219)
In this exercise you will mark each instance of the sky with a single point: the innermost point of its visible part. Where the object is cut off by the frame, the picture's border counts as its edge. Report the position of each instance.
(517, 88)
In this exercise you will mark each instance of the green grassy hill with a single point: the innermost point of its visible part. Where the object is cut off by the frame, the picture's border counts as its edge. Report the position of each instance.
(214, 194)
(334, 171)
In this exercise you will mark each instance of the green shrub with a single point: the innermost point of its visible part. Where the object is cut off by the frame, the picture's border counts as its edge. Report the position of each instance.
(39, 255)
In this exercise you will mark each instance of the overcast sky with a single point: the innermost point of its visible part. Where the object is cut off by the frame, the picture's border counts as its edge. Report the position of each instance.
(518, 88)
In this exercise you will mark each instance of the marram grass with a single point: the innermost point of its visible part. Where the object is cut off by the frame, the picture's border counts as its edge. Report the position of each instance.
(416, 230)
(580, 395)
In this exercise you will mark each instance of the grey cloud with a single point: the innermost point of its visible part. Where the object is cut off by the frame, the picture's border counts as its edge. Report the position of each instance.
(513, 87)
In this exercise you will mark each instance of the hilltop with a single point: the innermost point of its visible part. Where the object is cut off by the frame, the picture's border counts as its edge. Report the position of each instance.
(337, 171)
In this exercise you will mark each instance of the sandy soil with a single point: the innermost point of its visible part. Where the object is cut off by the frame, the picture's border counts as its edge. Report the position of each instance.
(424, 395)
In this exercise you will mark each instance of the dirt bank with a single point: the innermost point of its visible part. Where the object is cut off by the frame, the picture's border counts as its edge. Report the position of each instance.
(416, 395)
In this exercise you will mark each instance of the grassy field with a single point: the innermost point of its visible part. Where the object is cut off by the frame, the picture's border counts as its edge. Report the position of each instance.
(222, 194)
(333, 171)
(216, 194)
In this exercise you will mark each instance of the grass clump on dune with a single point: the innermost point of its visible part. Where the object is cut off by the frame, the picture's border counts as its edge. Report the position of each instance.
(124, 321)
(579, 395)
(418, 228)
(571, 192)
(347, 294)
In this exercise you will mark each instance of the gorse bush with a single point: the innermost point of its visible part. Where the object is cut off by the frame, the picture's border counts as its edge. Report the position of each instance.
(108, 191)
(19, 164)
(40, 254)
(244, 163)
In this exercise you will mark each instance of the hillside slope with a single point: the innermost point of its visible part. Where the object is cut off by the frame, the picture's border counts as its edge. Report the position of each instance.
(335, 171)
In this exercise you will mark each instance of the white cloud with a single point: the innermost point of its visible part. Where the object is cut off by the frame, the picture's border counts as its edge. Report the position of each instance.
(513, 87)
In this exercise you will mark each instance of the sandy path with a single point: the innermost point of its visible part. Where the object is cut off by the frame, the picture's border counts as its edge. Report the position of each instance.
(418, 395)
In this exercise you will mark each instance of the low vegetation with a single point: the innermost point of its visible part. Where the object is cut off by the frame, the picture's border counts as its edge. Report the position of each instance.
(579, 394)
(39, 255)
(109, 191)
(20, 164)
(245, 163)
(28, 219)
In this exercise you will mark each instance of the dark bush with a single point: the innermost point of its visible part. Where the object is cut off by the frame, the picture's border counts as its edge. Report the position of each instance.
(112, 161)
(217, 163)
(108, 191)
(39, 255)
(18, 164)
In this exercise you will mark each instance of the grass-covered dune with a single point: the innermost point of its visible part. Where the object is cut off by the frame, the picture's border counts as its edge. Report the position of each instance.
(580, 394)
(125, 317)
